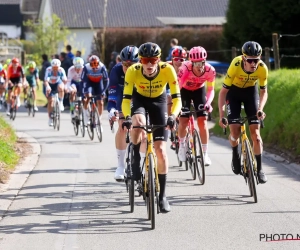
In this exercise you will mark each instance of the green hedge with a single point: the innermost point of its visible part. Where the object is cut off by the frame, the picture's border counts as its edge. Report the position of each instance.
(117, 38)
(282, 109)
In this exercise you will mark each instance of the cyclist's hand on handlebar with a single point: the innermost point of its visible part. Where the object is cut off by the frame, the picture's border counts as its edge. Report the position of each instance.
(223, 122)
(260, 114)
(113, 115)
(208, 107)
(171, 122)
(127, 123)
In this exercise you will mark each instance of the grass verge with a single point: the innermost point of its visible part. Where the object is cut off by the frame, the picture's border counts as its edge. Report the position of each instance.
(8, 155)
(281, 131)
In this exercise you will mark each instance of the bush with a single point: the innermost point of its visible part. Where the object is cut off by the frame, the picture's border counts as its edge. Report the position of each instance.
(117, 38)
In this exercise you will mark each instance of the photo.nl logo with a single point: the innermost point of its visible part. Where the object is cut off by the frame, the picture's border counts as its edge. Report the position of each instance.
(278, 237)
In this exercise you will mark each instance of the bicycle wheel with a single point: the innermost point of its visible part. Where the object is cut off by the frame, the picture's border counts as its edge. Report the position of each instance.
(151, 191)
(13, 112)
(199, 157)
(81, 121)
(28, 106)
(98, 125)
(57, 115)
(90, 127)
(250, 161)
(130, 180)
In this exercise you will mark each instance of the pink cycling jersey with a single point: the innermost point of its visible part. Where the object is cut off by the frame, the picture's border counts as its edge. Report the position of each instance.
(188, 80)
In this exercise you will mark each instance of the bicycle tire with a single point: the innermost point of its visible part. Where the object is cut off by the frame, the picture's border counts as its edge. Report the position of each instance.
(199, 157)
(81, 120)
(98, 125)
(130, 179)
(14, 112)
(90, 127)
(58, 115)
(54, 116)
(250, 166)
(75, 126)
(151, 190)
(189, 159)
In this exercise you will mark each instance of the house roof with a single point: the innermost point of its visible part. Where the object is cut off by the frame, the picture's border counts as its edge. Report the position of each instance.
(30, 6)
(138, 13)
(10, 2)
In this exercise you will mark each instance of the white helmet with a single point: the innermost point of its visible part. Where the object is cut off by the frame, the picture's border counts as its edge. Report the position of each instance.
(55, 63)
(78, 62)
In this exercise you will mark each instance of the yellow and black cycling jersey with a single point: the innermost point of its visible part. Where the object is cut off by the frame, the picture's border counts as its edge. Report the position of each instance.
(241, 79)
(151, 87)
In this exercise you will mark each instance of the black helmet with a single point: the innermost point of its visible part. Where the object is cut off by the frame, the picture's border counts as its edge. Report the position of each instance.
(149, 50)
(129, 53)
(251, 49)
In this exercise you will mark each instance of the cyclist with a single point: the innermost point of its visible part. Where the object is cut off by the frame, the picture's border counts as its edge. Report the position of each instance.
(129, 56)
(74, 84)
(3, 83)
(150, 78)
(32, 77)
(192, 77)
(95, 80)
(16, 77)
(240, 87)
(178, 57)
(7, 63)
(55, 78)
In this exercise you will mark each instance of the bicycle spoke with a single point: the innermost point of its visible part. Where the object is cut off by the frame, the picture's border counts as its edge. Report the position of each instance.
(199, 157)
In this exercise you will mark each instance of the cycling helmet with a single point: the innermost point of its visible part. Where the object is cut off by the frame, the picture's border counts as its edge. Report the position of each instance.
(55, 63)
(130, 53)
(179, 52)
(149, 50)
(78, 62)
(1, 67)
(32, 64)
(8, 61)
(197, 54)
(251, 48)
(15, 60)
(94, 58)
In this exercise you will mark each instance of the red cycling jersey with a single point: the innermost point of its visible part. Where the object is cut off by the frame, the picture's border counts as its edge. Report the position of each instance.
(3, 73)
(15, 72)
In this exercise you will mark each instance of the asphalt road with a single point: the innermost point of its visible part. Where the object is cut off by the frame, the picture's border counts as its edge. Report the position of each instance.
(71, 201)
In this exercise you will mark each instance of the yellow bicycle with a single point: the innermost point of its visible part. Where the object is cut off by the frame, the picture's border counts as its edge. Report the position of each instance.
(248, 161)
(149, 177)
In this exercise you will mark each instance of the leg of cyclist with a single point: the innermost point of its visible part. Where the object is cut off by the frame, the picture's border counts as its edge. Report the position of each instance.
(25, 93)
(73, 93)
(251, 107)
(50, 93)
(9, 96)
(61, 91)
(2, 89)
(34, 97)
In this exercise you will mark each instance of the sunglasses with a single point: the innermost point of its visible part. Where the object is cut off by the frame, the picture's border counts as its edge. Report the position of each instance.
(146, 60)
(94, 64)
(127, 64)
(251, 60)
(199, 63)
(176, 59)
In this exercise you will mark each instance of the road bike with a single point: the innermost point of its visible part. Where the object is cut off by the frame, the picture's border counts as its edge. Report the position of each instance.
(30, 103)
(94, 119)
(78, 120)
(56, 112)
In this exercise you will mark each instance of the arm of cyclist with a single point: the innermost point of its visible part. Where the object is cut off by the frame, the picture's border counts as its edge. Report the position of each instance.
(105, 80)
(127, 95)
(46, 80)
(176, 98)
(263, 95)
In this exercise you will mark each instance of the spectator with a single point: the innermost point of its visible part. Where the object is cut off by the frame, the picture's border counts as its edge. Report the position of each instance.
(118, 59)
(66, 63)
(78, 53)
(55, 56)
(45, 65)
(173, 44)
(112, 63)
(70, 55)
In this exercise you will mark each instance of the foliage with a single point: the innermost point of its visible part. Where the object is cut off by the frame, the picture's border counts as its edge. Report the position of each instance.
(48, 33)
(258, 20)
(117, 38)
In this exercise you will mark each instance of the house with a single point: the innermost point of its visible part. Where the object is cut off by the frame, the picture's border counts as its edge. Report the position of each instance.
(81, 17)
(10, 18)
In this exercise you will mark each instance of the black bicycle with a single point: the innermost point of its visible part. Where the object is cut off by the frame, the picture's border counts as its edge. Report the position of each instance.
(78, 121)
(95, 123)
(30, 103)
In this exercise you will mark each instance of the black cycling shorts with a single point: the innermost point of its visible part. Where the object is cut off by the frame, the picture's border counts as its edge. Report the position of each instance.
(234, 99)
(15, 81)
(199, 99)
(157, 109)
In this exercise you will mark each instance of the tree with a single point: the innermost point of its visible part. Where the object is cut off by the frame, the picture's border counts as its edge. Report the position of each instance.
(257, 20)
(48, 33)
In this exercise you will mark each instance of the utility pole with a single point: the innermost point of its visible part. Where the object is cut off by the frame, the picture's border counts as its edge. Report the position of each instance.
(267, 57)
(103, 32)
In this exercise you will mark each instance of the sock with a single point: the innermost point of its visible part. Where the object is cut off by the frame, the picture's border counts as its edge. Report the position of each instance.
(204, 147)
(258, 162)
(162, 178)
(143, 155)
(235, 150)
(182, 140)
(72, 104)
(121, 158)
(60, 99)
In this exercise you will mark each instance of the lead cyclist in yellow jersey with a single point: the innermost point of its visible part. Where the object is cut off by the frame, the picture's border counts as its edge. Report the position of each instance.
(145, 89)
(240, 86)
